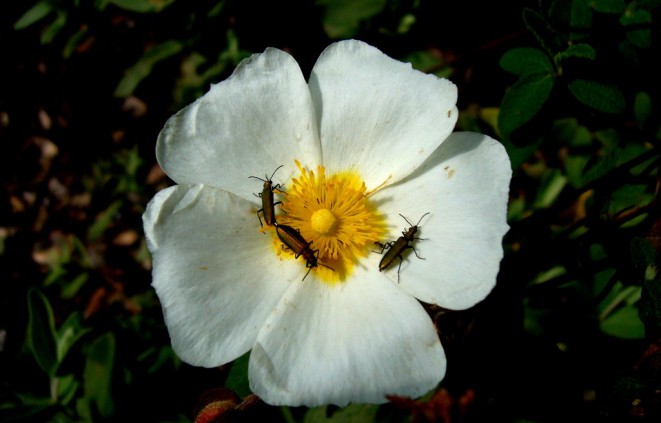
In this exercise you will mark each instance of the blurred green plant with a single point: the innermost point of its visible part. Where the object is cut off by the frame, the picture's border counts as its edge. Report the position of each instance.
(580, 119)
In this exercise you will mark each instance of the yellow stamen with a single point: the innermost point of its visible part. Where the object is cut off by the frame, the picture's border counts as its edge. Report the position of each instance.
(335, 215)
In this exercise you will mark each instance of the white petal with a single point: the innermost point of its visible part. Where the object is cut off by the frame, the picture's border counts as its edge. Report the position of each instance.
(464, 186)
(256, 120)
(354, 342)
(376, 114)
(216, 275)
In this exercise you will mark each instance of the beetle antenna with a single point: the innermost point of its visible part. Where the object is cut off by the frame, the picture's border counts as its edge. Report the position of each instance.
(421, 218)
(407, 221)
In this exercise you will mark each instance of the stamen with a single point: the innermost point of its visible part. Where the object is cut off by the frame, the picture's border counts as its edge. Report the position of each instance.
(334, 214)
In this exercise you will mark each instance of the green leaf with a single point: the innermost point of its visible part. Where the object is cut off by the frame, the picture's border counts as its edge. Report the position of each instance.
(643, 252)
(553, 182)
(65, 388)
(624, 323)
(641, 38)
(579, 51)
(54, 28)
(650, 307)
(97, 376)
(70, 289)
(69, 333)
(342, 18)
(519, 154)
(574, 167)
(237, 380)
(544, 31)
(74, 41)
(141, 6)
(642, 108)
(424, 61)
(33, 15)
(352, 413)
(103, 221)
(41, 332)
(608, 6)
(524, 60)
(143, 67)
(629, 196)
(568, 132)
(581, 19)
(605, 98)
(523, 101)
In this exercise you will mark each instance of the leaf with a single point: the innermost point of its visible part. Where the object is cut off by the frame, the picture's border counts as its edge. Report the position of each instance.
(642, 252)
(519, 154)
(103, 220)
(33, 15)
(54, 28)
(569, 132)
(66, 387)
(575, 15)
(524, 61)
(74, 41)
(237, 380)
(608, 6)
(641, 38)
(574, 167)
(141, 6)
(579, 51)
(342, 18)
(69, 333)
(41, 332)
(142, 68)
(553, 182)
(581, 19)
(349, 414)
(642, 108)
(523, 101)
(650, 306)
(629, 196)
(424, 61)
(624, 323)
(543, 30)
(97, 376)
(602, 97)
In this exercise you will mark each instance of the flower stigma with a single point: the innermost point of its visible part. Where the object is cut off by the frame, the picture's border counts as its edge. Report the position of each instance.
(334, 214)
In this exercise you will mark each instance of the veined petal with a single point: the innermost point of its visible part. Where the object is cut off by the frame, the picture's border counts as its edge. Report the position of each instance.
(214, 272)
(259, 118)
(353, 342)
(377, 114)
(464, 186)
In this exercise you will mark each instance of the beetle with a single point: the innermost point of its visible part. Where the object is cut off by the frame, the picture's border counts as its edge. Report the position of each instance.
(268, 206)
(397, 247)
(291, 238)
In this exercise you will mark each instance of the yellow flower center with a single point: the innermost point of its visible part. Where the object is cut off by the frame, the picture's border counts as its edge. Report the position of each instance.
(334, 214)
(323, 222)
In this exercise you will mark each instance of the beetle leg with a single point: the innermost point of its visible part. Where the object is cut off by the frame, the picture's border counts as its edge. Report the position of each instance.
(416, 252)
(384, 247)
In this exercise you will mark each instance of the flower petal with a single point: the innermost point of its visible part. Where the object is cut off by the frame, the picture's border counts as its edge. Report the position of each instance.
(378, 114)
(354, 342)
(214, 272)
(259, 118)
(464, 185)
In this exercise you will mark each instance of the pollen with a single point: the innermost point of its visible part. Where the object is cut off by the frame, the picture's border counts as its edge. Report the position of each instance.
(335, 215)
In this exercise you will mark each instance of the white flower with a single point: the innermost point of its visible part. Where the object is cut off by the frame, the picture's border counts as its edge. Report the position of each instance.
(367, 139)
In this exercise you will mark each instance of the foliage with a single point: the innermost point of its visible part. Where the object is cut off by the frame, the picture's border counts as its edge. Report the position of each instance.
(570, 87)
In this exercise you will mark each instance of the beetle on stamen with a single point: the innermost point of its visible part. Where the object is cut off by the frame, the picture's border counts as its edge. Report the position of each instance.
(293, 240)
